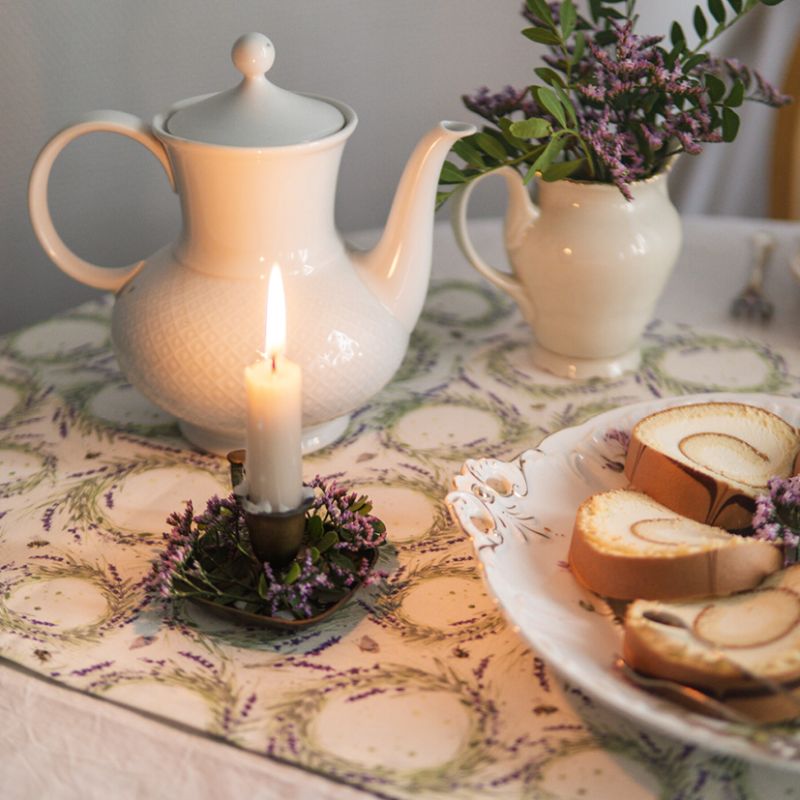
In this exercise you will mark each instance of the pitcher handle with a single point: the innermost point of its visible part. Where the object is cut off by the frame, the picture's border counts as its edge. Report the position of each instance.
(521, 213)
(107, 278)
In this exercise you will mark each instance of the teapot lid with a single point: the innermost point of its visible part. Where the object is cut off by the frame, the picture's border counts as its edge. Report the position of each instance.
(256, 113)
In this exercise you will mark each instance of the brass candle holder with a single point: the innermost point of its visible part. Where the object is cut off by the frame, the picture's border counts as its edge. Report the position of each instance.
(276, 536)
(298, 593)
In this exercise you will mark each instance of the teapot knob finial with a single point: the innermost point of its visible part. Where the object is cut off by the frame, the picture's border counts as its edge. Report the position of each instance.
(253, 54)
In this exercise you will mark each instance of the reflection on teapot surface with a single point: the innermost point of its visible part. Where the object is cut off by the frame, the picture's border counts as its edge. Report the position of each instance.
(188, 319)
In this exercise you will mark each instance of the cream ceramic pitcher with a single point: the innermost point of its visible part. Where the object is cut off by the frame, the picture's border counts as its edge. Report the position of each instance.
(255, 168)
(587, 267)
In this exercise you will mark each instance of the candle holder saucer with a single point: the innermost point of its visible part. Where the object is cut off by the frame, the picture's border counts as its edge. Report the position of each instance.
(285, 624)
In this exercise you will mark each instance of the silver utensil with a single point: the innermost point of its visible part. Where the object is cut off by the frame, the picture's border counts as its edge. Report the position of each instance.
(751, 302)
(794, 263)
(687, 696)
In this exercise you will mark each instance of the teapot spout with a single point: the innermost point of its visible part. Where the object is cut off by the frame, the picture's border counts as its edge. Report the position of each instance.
(397, 269)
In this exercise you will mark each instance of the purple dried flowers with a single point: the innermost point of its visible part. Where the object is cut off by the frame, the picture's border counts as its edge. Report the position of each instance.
(176, 557)
(777, 516)
(492, 106)
(612, 106)
(209, 556)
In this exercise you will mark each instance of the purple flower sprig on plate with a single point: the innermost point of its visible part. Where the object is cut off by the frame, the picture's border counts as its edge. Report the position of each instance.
(611, 106)
(209, 556)
(777, 517)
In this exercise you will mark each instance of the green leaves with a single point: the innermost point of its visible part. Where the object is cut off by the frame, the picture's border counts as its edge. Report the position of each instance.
(700, 22)
(677, 36)
(717, 10)
(542, 10)
(580, 47)
(566, 103)
(542, 36)
(562, 169)
(548, 99)
(293, 574)
(548, 75)
(490, 146)
(534, 128)
(329, 539)
(314, 527)
(715, 87)
(548, 155)
(451, 174)
(689, 64)
(722, 109)
(514, 142)
(568, 17)
(730, 124)
(736, 96)
(469, 153)
(557, 32)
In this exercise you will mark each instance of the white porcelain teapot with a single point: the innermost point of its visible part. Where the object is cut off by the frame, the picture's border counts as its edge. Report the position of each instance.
(255, 168)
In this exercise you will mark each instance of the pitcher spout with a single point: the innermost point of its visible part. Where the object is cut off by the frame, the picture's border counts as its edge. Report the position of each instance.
(397, 269)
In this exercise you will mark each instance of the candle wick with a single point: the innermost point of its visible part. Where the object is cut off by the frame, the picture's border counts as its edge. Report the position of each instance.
(274, 366)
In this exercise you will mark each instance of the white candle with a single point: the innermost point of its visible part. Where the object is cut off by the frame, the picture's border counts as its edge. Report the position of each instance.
(274, 415)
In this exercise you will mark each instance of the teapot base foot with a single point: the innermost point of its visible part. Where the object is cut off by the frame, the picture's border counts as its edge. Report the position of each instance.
(578, 369)
(221, 442)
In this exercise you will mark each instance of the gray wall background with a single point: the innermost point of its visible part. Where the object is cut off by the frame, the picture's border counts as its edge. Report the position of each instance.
(402, 64)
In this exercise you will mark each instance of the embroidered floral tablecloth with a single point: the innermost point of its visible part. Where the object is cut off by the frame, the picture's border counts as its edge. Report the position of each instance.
(417, 688)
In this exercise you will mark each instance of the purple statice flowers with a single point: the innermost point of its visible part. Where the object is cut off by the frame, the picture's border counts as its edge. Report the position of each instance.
(348, 513)
(777, 516)
(176, 557)
(618, 106)
(628, 138)
(758, 87)
(494, 105)
(341, 536)
(209, 556)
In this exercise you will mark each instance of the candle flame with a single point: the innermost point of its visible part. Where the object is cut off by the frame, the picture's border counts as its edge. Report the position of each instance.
(275, 335)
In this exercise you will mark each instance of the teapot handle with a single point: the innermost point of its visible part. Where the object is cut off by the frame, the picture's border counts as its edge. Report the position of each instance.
(108, 278)
(521, 213)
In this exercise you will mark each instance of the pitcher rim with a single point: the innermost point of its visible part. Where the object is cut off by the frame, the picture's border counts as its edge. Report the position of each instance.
(662, 173)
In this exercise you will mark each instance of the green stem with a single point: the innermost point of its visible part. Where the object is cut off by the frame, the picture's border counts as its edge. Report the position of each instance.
(582, 144)
(229, 578)
(587, 154)
(205, 593)
(528, 155)
(567, 60)
(198, 589)
(671, 153)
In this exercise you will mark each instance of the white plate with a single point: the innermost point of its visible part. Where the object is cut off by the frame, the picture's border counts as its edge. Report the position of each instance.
(519, 515)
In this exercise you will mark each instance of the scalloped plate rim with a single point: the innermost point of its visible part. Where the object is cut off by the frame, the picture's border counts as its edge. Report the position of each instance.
(629, 701)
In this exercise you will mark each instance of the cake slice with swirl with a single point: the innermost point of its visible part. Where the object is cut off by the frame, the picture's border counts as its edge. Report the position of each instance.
(709, 461)
(743, 649)
(625, 545)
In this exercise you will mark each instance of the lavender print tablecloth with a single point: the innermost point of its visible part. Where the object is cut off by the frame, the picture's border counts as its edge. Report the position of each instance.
(418, 687)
